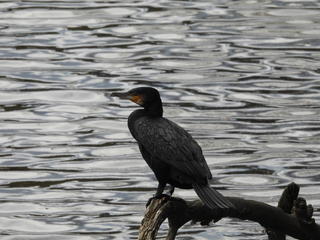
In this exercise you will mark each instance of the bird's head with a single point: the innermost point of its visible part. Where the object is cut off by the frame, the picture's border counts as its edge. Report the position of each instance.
(147, 97)
(143, 96)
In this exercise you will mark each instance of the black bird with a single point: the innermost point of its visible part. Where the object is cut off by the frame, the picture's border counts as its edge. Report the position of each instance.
(169, 150)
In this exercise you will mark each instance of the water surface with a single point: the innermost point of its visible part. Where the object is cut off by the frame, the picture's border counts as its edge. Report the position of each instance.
(242, 76)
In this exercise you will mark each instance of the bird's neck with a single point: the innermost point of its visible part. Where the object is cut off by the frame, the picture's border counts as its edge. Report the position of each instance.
(139, 113)
(154, 110)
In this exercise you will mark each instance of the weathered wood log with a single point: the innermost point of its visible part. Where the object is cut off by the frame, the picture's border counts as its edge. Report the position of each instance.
(278, 220)
(286, 201)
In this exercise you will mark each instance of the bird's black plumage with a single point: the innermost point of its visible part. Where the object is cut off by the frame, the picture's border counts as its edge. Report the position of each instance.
(169, 150)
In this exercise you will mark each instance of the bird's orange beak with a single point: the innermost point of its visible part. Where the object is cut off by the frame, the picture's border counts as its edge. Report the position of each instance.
(138, 99)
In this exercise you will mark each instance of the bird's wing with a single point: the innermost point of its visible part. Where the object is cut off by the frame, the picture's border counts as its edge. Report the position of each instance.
(170, 143)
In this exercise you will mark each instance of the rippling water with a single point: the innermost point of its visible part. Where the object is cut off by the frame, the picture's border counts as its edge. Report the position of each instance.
(242, 76)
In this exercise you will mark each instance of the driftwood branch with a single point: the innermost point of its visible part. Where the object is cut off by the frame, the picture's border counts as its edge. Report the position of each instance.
(292, 217)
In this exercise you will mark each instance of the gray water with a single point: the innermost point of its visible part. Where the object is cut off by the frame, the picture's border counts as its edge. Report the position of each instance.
(242, 76)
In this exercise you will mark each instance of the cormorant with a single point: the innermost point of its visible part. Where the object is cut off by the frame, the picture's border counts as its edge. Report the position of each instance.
(169, 150)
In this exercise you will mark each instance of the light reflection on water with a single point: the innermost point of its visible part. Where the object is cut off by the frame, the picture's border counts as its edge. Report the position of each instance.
(242, 77)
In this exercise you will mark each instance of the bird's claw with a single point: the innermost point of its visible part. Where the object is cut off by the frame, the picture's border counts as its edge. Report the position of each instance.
(159, 196)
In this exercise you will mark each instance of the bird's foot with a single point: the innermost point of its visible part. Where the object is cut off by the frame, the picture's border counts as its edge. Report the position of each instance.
(159, 196)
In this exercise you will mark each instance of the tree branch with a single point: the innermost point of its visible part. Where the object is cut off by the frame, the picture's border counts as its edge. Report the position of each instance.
(285, 203)
(277, 220)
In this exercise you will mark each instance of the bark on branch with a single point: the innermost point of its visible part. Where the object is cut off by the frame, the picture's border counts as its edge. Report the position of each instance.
(292, 217)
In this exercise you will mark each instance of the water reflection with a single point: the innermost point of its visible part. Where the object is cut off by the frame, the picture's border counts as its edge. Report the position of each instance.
(242, 77)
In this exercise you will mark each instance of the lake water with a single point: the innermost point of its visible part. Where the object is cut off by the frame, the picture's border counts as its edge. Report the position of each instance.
(243, 77)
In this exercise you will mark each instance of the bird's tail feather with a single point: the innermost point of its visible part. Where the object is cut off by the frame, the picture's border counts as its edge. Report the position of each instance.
(212, 198)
